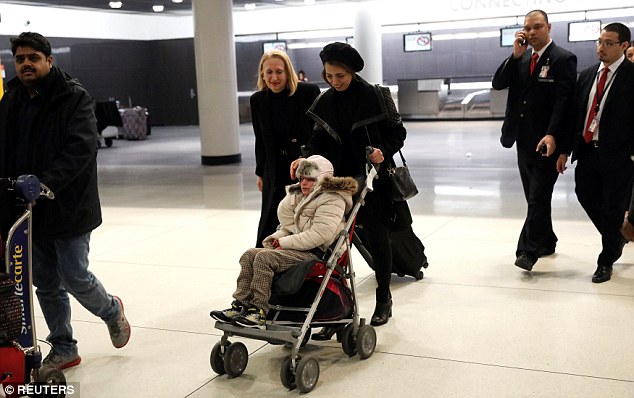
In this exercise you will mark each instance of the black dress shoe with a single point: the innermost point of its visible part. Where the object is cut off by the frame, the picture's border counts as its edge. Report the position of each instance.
(326, 333)
(525, 262)
(382, 313)
(602, 274)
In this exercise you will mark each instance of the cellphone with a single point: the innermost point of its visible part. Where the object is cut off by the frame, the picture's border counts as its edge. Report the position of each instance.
(543, 149)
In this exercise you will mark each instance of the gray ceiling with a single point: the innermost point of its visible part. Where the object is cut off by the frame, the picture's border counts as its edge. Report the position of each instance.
(145, 6)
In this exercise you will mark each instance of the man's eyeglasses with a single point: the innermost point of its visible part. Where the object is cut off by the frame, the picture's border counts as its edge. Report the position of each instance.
(607, 43)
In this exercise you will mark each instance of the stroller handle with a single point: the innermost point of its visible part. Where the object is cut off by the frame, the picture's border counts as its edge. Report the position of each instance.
(371, 169)
(368, 152)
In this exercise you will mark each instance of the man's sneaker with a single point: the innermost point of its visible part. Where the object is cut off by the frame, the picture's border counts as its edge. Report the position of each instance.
(253, 318)
(58, 361)
(120, 328)
(237, 309)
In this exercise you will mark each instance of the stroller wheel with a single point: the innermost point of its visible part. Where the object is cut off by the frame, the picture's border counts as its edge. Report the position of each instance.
(366, 341)
(52, 377)
(216, 359)
(287, 376)
(307, 374)
(236, 359)
(420, 275)
(348, 342)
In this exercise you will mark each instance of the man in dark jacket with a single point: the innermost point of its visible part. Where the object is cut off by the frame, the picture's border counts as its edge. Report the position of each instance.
(540, 84)
(48, 128)
(603, 144)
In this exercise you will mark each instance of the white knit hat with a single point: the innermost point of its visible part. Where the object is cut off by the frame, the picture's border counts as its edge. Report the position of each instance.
(316, 167)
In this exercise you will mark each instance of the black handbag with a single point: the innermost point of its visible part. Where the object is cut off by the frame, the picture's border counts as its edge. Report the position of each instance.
(290, 281)
(403, 186)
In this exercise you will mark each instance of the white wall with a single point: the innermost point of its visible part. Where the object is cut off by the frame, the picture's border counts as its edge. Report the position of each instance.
(115, 25)
(58, 22)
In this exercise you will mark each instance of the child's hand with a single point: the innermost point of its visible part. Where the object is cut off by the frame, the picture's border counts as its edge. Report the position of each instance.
(268, 243)
(294, 166)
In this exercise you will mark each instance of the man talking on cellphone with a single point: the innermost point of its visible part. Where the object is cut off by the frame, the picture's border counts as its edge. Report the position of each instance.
(541, 83)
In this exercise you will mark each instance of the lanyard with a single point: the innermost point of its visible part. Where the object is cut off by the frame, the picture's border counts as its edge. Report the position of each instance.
(605, 89)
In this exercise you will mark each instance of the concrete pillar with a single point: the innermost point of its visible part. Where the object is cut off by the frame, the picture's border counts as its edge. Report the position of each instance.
(367, 40)
(217, 82)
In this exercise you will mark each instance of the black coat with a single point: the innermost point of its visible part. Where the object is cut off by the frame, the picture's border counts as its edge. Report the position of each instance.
(604, 171)
(616, 126)
(377, 123)
(62, 154)
(268, 145)
(537, 105)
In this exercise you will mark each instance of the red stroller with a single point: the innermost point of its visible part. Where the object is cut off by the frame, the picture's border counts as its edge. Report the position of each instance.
(328, 295)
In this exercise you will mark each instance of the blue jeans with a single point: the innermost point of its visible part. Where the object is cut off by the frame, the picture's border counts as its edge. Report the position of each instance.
(60, 267)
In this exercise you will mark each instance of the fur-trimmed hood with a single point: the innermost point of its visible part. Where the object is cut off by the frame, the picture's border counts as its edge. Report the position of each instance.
(346, 185)
(316, 167)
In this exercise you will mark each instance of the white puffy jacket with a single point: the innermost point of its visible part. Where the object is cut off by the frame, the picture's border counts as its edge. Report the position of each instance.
(314, 220)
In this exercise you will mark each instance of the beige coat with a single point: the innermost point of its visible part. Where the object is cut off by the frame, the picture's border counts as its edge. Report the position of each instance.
(314, 220)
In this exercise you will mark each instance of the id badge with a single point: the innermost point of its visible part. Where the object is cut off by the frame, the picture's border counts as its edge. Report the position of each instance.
(593, 125)
(544, 71)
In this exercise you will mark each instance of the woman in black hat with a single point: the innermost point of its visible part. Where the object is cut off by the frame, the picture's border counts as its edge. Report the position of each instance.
(350, 116)
(278, 114)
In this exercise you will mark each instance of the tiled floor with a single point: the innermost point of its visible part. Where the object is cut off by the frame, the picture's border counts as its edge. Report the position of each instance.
(476, 326)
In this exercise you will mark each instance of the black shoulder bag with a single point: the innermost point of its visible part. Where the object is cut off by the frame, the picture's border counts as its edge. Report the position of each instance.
(403, 187)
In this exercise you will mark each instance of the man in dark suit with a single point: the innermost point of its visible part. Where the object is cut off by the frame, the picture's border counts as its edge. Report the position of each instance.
(540, 83)
(603, 117)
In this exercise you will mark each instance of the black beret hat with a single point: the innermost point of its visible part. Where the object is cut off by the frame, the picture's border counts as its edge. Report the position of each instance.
(343, 53)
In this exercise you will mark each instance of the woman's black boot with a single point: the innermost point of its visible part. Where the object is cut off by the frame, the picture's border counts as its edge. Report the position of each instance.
(326, 333)
(382, 313)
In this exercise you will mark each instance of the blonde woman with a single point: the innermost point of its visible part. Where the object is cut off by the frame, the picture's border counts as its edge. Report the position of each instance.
(281, 127)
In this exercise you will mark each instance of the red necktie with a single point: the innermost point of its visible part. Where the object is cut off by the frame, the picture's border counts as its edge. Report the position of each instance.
(588, 135)
(533, 62)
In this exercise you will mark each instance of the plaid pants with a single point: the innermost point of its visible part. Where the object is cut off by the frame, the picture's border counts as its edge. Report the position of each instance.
(258, 266)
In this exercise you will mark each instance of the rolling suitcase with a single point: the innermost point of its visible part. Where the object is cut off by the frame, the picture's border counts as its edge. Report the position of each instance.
(408, 252)
(135, 123)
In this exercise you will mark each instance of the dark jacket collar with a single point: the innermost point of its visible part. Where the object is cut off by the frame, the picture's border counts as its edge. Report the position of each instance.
(365, 96)
(54, 84)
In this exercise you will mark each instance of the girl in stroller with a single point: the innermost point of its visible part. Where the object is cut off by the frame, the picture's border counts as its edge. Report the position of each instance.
(311, 216)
